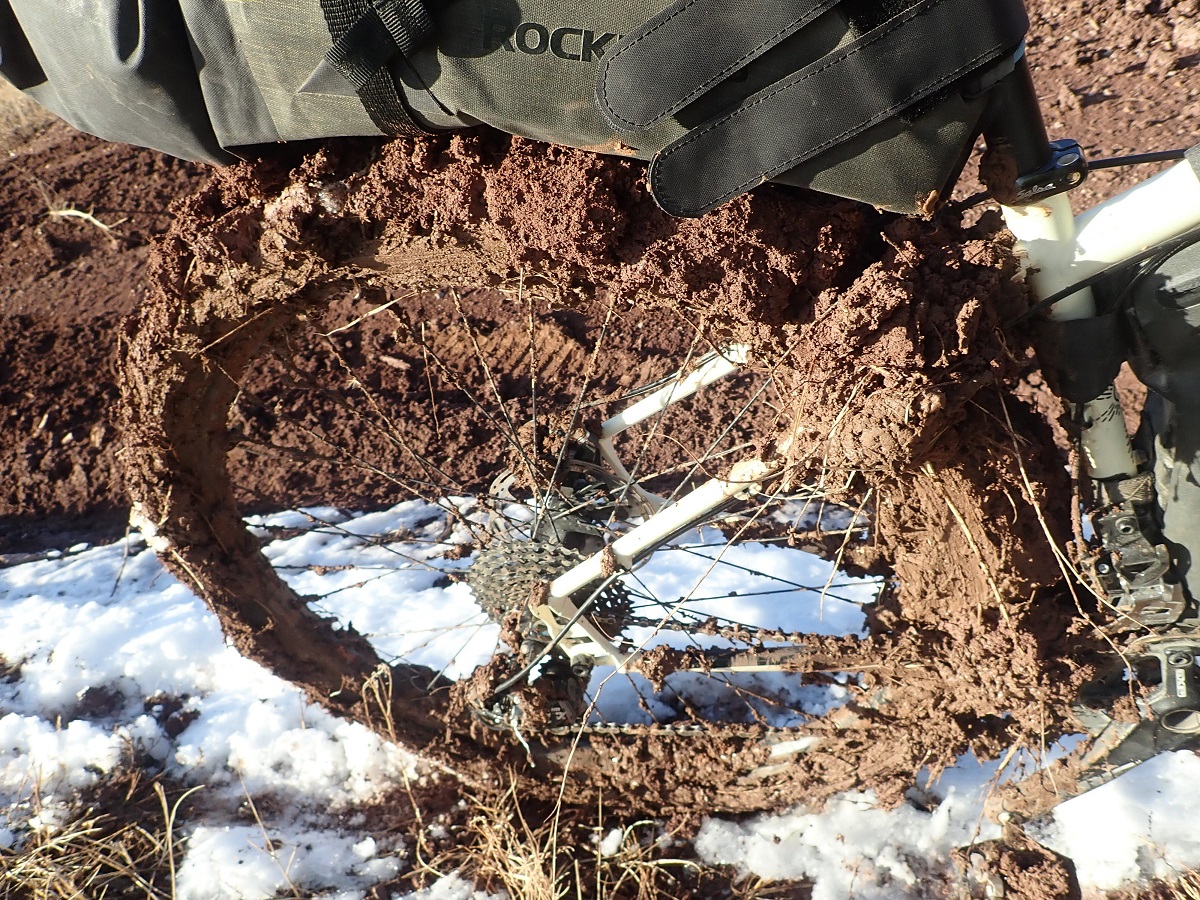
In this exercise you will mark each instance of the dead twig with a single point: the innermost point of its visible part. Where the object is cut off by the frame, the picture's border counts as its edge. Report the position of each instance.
(56, 208)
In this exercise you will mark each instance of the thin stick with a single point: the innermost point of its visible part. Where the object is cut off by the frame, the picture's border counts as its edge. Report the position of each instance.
(72, 213)
(372, 312)
(170, 813)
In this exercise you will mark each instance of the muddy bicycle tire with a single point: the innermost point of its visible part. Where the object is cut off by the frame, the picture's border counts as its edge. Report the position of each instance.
(262, 258)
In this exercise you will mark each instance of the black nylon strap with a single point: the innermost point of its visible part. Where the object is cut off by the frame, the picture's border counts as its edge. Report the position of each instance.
(687, 49)
(367, 36)
(903, 61)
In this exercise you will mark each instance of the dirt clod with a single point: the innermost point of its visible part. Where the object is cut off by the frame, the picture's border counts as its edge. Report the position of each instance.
(1019, 869)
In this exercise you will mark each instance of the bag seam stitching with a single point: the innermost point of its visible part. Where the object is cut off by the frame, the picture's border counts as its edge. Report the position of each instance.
(813, 151)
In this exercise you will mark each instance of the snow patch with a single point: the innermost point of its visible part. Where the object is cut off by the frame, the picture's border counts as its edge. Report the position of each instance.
(101, 641)
(246, 862)
(451, 887)
(1140, 826)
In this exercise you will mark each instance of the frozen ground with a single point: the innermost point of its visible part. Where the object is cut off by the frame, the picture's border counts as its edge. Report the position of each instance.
(104, 652)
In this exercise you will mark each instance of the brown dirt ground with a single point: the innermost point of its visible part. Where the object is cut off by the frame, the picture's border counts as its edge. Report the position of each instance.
(66, 283)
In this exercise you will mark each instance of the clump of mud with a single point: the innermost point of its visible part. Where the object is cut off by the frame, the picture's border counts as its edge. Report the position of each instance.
(892, 337)
(1018, 868)
(587, 226)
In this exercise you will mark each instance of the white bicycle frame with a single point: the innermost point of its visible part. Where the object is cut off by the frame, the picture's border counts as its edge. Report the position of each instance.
(1057, 250)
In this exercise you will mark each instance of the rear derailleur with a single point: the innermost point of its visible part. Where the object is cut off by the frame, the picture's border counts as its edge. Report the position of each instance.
(554, 701)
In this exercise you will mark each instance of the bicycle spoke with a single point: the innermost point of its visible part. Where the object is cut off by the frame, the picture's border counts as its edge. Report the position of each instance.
(716, 601)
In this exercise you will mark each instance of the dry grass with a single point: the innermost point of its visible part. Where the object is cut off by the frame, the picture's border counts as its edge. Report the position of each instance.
(534, 854)
(1187, 887)
(122, 841)
(57, 208)
(20, 118)
(118, 843)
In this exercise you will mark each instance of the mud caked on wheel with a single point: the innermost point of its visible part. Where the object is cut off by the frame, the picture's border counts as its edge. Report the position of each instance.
(633, 587)
(252, 393)
(690, 619)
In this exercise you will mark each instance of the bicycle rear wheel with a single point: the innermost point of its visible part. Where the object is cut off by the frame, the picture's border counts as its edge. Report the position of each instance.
(306, 350)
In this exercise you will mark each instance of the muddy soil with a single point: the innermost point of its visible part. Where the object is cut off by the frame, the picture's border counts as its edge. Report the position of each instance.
(77, 217)
(901, 377)
(1119, 78)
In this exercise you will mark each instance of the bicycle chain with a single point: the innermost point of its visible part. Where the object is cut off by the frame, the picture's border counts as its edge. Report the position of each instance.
(728, 632)
(617, 620)
(679, 730)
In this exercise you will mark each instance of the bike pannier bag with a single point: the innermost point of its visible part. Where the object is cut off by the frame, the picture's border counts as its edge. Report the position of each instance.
(877, 100)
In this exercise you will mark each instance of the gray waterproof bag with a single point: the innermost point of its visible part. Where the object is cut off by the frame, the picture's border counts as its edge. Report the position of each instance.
(878, 101)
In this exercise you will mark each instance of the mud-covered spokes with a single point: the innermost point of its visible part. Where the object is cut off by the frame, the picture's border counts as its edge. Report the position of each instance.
(728, 628)
(527, 387)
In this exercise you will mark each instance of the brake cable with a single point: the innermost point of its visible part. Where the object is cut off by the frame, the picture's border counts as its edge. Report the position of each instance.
(1111, 162)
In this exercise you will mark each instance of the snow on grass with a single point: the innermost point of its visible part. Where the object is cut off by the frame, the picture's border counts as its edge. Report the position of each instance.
(105, 653)
(852, 848)
(244, 862)
(452, 887)
(76, 632)
(93, 652)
